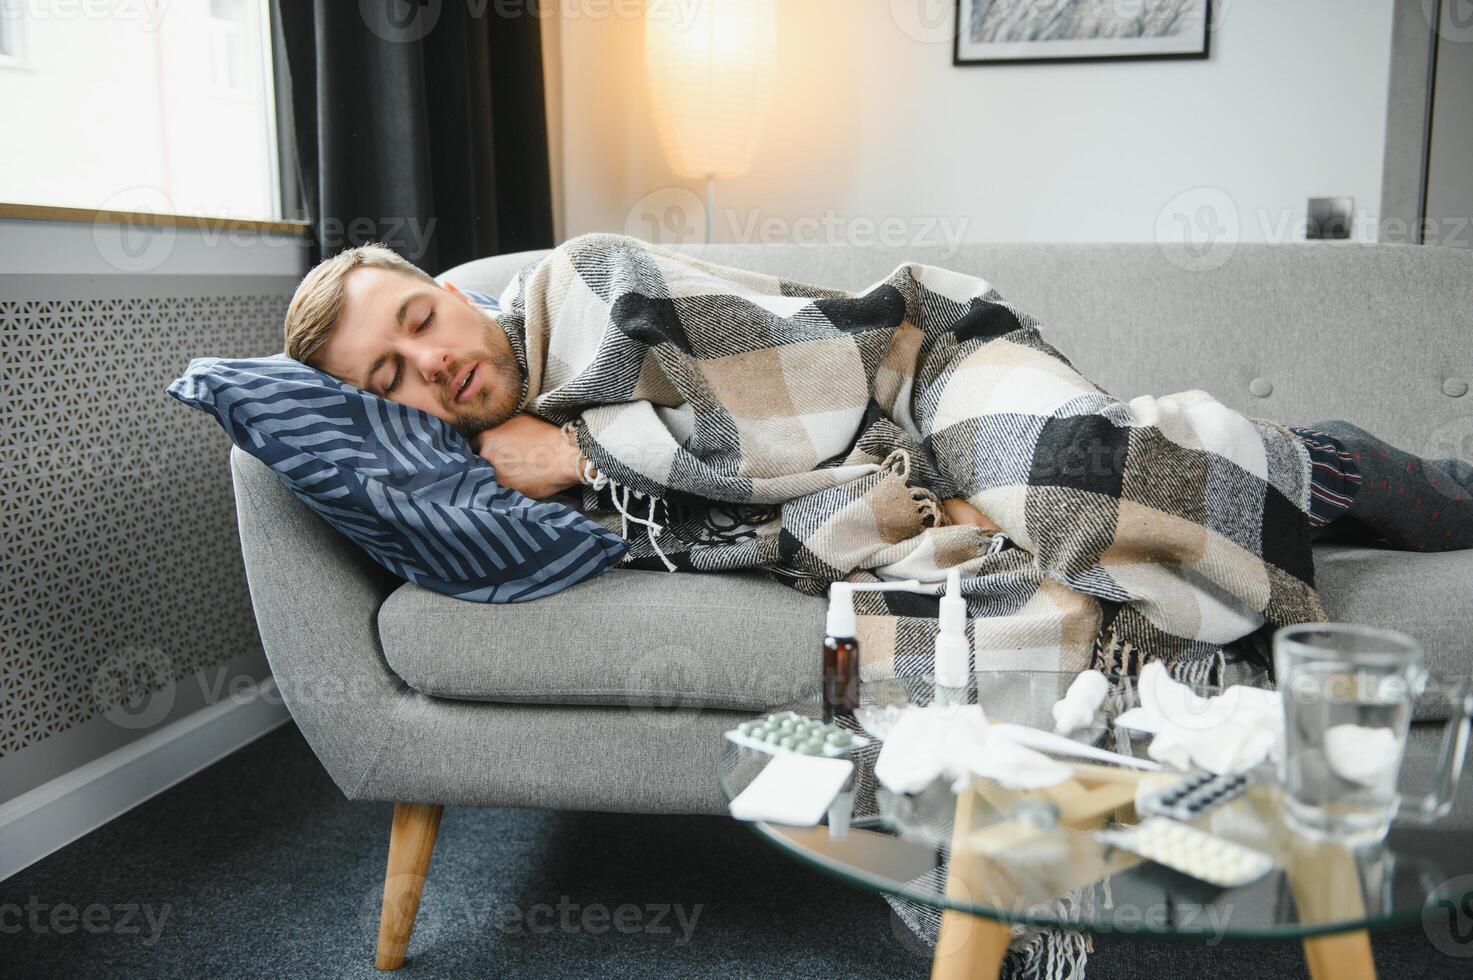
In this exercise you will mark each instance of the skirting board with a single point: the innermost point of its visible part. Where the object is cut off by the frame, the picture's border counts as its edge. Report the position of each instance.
(70, 806)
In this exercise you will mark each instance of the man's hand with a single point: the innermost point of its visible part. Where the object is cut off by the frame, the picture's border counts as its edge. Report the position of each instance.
(530, 455)
(962, 512)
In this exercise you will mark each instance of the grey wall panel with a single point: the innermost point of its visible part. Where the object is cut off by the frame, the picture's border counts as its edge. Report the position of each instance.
(1407, 114)
(121, 568)
(1450, 163)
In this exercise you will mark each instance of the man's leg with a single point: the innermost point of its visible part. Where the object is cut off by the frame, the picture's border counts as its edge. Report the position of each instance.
(1411, 503)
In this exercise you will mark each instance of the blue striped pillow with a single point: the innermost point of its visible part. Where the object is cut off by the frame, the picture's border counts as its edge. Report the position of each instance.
(400, 483)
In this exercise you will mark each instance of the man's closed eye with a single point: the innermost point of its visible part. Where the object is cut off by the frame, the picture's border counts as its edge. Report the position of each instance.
(399, 369)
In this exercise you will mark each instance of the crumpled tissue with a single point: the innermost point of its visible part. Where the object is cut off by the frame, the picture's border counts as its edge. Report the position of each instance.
(1081, 703)
(956, 741)
(1366, 756)
(1228, 733)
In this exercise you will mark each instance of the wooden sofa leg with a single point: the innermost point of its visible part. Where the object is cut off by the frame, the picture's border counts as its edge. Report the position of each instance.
(411, 841)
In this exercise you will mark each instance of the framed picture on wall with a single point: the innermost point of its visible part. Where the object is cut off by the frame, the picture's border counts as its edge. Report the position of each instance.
(993, 32)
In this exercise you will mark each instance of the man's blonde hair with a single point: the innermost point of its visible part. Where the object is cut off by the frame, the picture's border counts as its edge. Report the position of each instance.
(317, 304)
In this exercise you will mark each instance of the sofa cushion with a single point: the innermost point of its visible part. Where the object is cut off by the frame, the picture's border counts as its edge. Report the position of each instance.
(734, 641)
(1427, 596)
(742, 641)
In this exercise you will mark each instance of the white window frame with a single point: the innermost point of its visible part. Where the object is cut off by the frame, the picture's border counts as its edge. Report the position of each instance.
(224, 31)
(12, 13)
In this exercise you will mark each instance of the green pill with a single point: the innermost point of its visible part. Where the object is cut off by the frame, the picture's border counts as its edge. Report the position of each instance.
(840, 739)
(813, 746)
(787, 742)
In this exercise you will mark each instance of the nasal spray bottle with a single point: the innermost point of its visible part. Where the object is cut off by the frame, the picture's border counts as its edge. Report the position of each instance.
(841, 646)
(840, 654)
(953, 652)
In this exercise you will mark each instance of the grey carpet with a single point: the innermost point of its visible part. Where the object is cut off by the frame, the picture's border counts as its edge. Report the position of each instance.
(261, 869)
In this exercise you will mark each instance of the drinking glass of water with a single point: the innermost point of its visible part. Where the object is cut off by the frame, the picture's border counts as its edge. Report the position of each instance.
(1348, 694)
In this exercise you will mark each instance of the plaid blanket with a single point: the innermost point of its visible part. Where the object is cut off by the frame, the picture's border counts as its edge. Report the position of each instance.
(741, 420)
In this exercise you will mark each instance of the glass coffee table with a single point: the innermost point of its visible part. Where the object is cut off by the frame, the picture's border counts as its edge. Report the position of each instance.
(988, 858)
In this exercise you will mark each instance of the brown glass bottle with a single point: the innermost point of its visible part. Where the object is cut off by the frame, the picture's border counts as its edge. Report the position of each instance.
(840, 676)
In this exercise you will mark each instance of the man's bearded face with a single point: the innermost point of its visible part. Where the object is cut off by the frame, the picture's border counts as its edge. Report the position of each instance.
(425, 346)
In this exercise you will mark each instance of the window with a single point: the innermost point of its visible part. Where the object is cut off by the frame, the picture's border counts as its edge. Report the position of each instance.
(10, 32)
(158, 107)
(227, 44)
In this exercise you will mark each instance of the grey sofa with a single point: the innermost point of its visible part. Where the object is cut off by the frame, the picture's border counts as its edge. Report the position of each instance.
(413, 697)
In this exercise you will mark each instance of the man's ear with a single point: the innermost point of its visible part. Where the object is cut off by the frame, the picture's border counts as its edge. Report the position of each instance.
(452, 288)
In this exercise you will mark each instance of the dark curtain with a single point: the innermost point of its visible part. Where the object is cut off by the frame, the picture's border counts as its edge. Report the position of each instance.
(420, 124)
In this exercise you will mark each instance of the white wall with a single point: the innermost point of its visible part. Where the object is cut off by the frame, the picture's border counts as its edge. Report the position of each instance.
(874, 122)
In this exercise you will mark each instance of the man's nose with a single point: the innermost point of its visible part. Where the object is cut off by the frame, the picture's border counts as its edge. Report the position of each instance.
(434, 364)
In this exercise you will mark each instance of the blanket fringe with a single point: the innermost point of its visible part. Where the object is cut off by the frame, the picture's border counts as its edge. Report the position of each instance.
(653, 527)
(1051, 955)
(1114, 656)
(1033, 953)
(927, 504)
(620, 494)
(898, 462)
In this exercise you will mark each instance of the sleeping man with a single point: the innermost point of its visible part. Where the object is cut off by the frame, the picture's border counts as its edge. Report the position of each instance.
(748, 421)
(377, 321)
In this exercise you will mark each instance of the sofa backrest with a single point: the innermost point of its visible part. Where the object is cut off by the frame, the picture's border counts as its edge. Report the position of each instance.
(1381, 335)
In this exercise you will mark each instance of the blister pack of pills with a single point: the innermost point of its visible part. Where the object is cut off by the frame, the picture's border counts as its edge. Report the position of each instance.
(788, 731)
(1192, 796)
(1191, 851)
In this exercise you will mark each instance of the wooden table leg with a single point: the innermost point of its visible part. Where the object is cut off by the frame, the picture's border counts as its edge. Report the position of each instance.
(969, 947)
(1325, 879)
(1343, 956)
